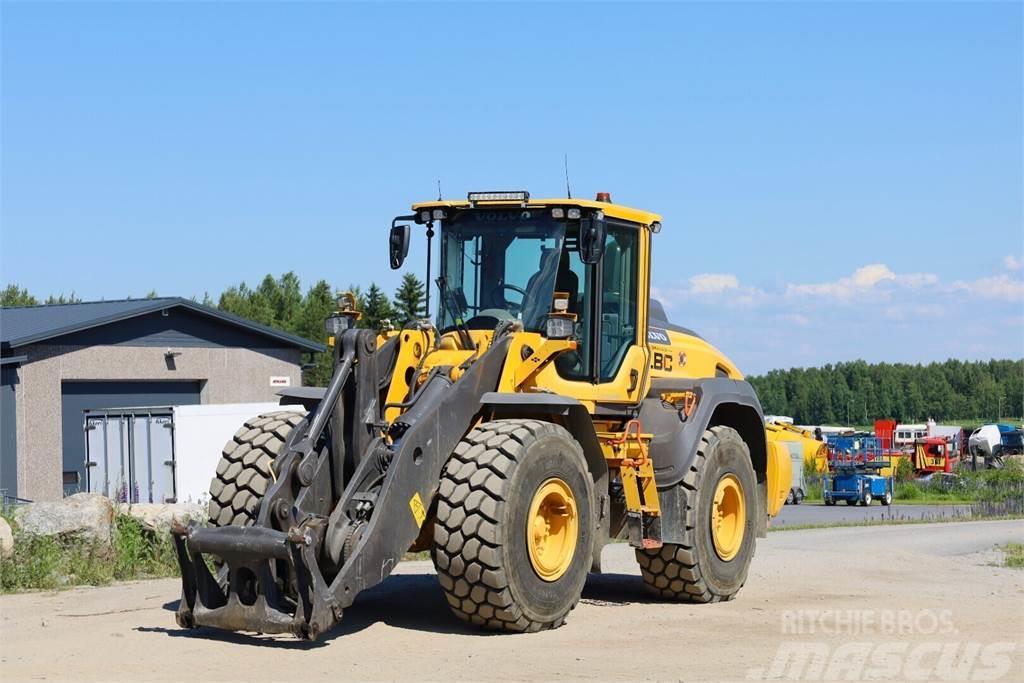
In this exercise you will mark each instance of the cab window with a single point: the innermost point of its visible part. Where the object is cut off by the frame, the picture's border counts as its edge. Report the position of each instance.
(618, 298)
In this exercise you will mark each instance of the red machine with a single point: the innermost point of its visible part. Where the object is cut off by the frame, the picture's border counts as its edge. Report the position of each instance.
(932, 454)
(884, 430)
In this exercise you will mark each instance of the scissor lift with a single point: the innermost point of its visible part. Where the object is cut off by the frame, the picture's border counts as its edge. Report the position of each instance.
(855, 476)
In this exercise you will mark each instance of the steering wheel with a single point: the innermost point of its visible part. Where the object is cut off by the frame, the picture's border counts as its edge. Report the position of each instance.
(499, 293)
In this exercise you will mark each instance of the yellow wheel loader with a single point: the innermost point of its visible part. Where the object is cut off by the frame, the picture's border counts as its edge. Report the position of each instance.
(548, 409)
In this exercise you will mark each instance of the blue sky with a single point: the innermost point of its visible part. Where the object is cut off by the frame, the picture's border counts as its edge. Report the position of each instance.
(838, 180)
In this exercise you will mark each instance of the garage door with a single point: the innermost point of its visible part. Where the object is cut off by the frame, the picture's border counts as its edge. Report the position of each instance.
(77, 397)
(8, 432)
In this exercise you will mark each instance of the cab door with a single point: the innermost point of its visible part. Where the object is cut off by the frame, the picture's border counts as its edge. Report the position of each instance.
(611, 365)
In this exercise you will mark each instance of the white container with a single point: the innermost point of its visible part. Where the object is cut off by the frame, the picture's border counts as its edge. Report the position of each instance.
(200, 433)
(162, 454)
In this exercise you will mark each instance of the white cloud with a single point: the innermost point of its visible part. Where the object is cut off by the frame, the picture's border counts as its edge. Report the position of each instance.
(873, 312)
(865, 279)
(713, 283)
(709, 288)
(1012, 262)
(1001, 287)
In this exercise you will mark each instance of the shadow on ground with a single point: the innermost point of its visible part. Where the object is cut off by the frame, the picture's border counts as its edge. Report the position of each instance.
(407, 601)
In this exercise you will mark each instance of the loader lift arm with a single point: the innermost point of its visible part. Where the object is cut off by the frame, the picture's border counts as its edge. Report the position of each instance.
(318, 535)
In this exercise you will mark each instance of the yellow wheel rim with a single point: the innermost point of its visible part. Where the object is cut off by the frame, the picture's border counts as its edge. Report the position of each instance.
(551, 529)
(728, 517)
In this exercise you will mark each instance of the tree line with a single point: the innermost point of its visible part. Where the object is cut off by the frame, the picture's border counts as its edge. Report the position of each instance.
(844, 393)
(282, 304)
(859, 392)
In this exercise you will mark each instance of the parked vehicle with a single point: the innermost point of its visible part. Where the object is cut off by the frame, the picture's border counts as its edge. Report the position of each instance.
(857, 481)
(811, 448)
(933, 454)
(798, 485)
(992, 442)
(506, 437)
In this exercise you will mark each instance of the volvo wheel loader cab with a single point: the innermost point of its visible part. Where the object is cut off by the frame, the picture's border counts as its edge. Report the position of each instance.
(549, 408)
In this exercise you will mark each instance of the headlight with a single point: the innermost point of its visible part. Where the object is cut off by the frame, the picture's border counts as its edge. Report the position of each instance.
(559, 327)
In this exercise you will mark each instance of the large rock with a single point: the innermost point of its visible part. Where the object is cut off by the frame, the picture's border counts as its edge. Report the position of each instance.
(83, 516)
(158, 518)
(6, 540)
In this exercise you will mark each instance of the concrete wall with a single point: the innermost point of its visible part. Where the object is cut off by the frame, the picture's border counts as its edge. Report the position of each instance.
(229, 375)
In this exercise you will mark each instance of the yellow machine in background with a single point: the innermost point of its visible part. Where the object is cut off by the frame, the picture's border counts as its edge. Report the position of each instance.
(814, 451)
(549, 408)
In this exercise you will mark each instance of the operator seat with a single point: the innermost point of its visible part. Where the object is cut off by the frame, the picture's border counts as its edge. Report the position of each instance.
(533, 307)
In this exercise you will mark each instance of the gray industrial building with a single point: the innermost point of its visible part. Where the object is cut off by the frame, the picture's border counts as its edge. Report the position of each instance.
(58, 361)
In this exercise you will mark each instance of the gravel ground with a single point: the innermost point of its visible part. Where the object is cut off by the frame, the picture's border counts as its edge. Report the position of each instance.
(931, 588)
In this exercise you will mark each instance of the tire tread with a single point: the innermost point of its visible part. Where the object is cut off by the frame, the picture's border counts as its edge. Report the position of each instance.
(468, 535)
(245, 469)
(673, 571)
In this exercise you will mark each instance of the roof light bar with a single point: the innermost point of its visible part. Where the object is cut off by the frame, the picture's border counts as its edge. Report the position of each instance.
(519, 196)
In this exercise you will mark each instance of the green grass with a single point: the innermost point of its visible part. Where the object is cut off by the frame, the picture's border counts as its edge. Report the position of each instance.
(1013, 555)
(47, 563)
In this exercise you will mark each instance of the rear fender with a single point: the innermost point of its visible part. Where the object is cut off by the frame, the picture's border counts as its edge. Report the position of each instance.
(720, 402)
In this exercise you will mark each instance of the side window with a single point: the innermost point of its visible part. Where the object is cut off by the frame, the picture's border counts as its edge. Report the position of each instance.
(574, 279)
(618, 298)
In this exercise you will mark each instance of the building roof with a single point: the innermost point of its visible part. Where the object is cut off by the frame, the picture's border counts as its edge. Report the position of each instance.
(22, 325)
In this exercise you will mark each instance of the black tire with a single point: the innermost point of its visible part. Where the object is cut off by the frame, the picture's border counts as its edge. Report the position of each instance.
(799, 496)
(245, 470)
(830, 502)
(480, 545)
(887, 499)
(692, 571)
(791, 498)
(868, 498)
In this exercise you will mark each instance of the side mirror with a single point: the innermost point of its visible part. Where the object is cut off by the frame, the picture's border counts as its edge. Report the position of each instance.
(398, 245)
(592, 236)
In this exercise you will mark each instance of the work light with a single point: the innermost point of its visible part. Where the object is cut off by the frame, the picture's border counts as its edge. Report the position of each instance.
(559, 327)
(336, 324)
(518, 196)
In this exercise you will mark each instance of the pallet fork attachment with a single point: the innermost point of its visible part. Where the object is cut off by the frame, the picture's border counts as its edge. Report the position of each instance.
(321, 537)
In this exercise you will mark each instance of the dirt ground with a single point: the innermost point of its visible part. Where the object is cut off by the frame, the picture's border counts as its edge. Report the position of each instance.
(920, 602)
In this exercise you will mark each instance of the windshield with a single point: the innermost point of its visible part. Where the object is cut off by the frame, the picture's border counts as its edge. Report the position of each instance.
(499, 265)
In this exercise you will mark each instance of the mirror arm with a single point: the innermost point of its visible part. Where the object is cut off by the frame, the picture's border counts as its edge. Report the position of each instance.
(402, 219)
(430, 237)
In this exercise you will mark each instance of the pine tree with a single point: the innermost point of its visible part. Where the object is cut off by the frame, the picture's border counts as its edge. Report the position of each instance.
(69, 299)
(409, 300)
(318, 304)
(13, 295)
(376, 309)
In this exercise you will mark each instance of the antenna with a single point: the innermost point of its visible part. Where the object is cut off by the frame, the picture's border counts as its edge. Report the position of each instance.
(438, 189)
(568, 190)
